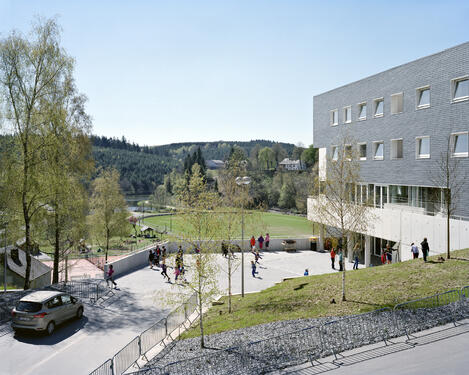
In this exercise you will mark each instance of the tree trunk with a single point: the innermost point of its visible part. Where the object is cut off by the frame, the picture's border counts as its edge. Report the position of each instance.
(55, 276)
(27, 249)
(229, 284)
(201, 321)
(107, 246)
(343, 280)
(448, 245)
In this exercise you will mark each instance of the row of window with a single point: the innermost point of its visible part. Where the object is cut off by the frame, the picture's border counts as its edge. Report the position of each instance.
(459, 148)
(459, 92)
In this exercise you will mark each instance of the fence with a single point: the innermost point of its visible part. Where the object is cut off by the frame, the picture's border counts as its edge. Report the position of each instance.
(153, 336)
(330, 338)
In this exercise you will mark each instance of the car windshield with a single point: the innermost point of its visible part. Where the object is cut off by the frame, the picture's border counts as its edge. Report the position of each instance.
(28, 306)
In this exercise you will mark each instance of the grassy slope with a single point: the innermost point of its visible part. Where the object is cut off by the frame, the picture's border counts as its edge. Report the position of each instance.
(277, 225)
(367, 289)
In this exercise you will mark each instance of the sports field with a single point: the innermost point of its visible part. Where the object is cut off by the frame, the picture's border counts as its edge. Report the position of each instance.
(277, 225)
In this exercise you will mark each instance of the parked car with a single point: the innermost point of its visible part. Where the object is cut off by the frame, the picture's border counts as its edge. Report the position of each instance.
(44, 310)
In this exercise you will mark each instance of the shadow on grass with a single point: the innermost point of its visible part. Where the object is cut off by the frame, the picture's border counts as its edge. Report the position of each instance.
(378, 305)
(301, 286)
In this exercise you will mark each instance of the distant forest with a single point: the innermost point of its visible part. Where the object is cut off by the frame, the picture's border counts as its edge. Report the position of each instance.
(142, 168)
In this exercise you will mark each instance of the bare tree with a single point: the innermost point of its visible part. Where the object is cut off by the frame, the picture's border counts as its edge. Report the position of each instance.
(450, 177)
(335, 200)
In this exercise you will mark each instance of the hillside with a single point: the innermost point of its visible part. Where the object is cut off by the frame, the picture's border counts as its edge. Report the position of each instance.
(143, 167)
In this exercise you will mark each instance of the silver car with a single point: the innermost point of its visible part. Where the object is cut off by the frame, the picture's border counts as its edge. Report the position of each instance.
(44, 310)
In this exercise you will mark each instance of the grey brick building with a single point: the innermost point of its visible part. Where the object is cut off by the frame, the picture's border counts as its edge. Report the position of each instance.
(401, 121)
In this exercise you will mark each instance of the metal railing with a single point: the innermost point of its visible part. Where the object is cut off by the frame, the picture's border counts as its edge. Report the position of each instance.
(157, 334)
(105, 369)
(330, 338)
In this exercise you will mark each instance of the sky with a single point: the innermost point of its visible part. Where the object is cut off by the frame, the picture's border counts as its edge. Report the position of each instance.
(161, 72)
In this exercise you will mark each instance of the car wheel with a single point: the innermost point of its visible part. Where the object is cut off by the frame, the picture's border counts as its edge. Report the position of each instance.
(50, 328)
(79, 313)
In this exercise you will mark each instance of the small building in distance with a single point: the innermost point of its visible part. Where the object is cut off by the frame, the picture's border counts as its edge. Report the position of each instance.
(291, 165)
(215, 164)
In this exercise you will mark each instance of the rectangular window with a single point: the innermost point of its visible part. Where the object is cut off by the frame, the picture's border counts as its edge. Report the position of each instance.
(397, 103)
(348, 152)
(335, 153)
(460, 89)
(378, 107)
(460, 144)
(334, 117)
(362, 111)
(378, 150)
(423, 147)
(423, 97)
(347, 115)
(362, 151)
(397, 149)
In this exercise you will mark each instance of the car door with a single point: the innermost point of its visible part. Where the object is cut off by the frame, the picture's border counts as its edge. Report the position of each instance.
(55, 309)
(67, 306)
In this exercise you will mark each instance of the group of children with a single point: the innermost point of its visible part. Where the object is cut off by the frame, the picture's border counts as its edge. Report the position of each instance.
(261, 240)
(160, 253)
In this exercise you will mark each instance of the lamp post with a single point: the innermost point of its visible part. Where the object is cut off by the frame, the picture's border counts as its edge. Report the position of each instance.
(5, 260)
(242, 181)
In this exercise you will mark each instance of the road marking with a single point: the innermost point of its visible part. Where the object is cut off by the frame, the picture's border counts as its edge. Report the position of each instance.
(39, 364)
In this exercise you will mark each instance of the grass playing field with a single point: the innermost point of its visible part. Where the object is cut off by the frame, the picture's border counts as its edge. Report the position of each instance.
(277, 225)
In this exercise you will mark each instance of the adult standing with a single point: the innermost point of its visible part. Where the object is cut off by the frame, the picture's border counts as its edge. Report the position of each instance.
(333, 258)
(415, 250)
(261, 241)
(341, 260)
(388, 254)
(425, 249)
(356, 252)
(267, 241)
(151, 258)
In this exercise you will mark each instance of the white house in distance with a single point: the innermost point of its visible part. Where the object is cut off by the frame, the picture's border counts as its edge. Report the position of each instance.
(291, 165)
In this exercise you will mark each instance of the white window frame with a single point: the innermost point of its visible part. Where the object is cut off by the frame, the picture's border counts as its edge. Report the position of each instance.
(454, 81)
(394, 140)
(453, 146)
(375, 106)
(349, 107)
(418, 93)
(396, 94)
(366, 150)
(417, 143)
(331, 117)
(360, 105)
(333, 148)
(375, 143)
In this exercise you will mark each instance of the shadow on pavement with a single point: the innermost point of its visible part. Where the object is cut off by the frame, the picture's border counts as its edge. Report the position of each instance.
(62, 332)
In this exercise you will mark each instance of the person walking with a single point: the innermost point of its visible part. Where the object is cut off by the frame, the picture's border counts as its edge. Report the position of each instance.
(151, 258)
(109, 276)
(164, 268)
(388, 254)
(267, 241)
(341, 260)
(333, 258)
(261, 241)
(415, 250)
(157, 256)
(425, 249)
(356, 253)
(253, 268)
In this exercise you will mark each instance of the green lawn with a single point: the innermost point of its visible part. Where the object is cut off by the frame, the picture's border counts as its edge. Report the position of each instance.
(277, 225)
(367, 289)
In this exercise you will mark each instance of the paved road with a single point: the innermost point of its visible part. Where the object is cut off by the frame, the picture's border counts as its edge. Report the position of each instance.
(80, 347)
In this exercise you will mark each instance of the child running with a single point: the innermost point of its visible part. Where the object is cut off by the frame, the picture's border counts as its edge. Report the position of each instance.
(253, 266)
(163, 272)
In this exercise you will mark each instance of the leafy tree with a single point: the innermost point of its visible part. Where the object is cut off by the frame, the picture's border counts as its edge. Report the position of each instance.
(297, 151)
(279, 152)
(287, 194)
(202, 228)
(32, 70)
(108, 208)
(309, 156)
(267, 158)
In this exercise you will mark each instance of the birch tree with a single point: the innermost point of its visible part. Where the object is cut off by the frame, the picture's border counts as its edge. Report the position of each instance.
(335, 201)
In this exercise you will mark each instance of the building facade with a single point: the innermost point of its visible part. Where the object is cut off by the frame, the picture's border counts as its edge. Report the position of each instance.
(402, 122)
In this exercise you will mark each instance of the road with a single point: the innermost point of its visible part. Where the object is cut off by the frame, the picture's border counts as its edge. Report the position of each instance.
(81, 346)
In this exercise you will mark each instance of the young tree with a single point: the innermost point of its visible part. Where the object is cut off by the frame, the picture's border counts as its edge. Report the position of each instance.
(335, 201)
(201, 230)
(309, 156)
(267, 158)
(448, 174)
(108, 208)
(32, 70)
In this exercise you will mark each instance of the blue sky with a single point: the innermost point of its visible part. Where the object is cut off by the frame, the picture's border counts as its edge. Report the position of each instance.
(161, 72)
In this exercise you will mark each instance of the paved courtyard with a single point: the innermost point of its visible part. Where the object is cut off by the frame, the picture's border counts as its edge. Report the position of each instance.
(81, 346)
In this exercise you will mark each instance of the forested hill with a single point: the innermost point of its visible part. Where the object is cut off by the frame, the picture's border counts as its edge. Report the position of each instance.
(142, 168)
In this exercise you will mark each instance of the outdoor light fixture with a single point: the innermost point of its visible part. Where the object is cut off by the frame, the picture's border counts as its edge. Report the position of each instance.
(242, 181)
